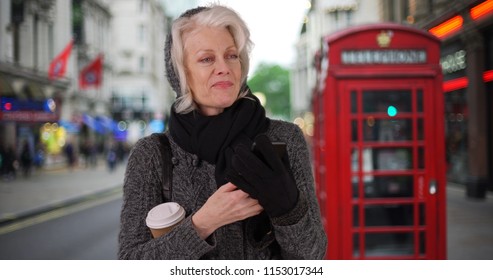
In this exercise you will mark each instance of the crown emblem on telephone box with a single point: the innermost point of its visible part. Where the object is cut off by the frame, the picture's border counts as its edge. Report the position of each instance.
(384, 38)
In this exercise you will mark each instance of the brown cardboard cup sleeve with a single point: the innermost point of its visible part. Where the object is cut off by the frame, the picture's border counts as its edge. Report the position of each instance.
(162, 218)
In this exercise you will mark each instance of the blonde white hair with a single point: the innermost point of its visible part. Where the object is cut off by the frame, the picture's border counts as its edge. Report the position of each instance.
(215, 16)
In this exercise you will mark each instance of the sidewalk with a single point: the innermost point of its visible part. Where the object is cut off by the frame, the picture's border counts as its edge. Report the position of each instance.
(469, 225)
(48, 189)
(469, 222)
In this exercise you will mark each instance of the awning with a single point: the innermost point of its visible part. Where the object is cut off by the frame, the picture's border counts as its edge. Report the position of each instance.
(107, 123)
(33, 90)
(22, 88)
(70, 127)
(90, 122)
(100, 124)
(5, 87)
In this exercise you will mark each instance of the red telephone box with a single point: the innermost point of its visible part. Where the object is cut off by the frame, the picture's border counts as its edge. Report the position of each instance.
(379, 143)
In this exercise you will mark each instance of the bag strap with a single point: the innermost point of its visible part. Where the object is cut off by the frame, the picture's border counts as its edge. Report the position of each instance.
(167, 165)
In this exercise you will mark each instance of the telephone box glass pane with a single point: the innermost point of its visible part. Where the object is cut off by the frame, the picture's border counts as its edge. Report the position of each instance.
(356, 245)
(422, 214)
(421, 129)
(354, 102)
(354, 131)
(421, 158)
(419, 99)
(389, 244)
(355, 180)
(355, 216)
(422, 243)
(387, 130)
(392, 158)
(391, 102)
(367, 167)
(390, 186)
(389, 215)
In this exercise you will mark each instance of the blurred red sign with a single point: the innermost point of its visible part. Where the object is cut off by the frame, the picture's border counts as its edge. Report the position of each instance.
(29, 116)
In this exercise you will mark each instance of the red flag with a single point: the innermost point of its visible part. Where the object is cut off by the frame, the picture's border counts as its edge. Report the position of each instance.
(59, 64)
(92, 74)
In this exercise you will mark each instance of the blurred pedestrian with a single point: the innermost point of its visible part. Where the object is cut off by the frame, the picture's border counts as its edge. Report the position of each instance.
(112, 158)
(70, 155)
(92, 153)
(39, 156)
(84, 151)
(238, 204)
(10, 164)
(26, 159)
(120, 152)
(2, 160)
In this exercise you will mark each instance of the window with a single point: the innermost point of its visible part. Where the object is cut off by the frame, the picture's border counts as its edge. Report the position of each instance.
(336, 19)
(77, 22)
(142, 64)
(142, 33)
(431, 4)
(143, 6)
(51, 40)
(391, 10)
(349, 17)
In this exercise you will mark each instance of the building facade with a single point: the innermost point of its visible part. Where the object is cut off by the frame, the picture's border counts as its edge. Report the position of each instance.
(466, 30)
(141, 97)
(31, 34)
(87, 109)
(323, 18)
(122, 40)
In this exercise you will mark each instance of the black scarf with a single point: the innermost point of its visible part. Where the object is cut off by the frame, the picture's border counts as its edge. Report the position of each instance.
(209, 137)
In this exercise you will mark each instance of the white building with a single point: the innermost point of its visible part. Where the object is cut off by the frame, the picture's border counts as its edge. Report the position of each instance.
(324, 17)
(32, 32)
(91, 29)
(141, 95)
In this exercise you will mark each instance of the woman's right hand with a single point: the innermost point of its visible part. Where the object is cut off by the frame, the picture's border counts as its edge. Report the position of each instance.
(227, 205)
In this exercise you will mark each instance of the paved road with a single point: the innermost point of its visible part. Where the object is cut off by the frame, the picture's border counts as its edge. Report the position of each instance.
(47, 189)
(87, 230)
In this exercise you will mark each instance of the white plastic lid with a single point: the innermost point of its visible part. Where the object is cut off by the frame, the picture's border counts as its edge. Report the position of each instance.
(165, 215)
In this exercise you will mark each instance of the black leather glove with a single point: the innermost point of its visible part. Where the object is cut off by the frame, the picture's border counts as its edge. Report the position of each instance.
(265, 177)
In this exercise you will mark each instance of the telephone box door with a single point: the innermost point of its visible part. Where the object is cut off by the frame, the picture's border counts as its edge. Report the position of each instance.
(388, 139)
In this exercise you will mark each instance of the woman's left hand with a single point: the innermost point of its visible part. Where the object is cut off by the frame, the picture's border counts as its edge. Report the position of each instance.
(227, 205)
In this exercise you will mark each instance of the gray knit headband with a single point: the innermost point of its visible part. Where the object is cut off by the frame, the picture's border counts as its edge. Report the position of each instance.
(171, 75)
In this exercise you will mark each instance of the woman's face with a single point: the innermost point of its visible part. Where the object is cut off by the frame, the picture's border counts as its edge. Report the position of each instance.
(213, 68)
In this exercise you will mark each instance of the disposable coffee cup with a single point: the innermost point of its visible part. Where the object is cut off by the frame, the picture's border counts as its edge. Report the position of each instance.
(162, 218)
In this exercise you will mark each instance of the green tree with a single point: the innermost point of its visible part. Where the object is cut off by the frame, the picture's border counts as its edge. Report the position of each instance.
(273, 81)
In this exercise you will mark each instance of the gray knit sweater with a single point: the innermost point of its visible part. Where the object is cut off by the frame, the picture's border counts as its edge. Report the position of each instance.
(299, 233)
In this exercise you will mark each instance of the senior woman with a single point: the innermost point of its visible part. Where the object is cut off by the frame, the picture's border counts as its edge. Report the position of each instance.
(239, 204)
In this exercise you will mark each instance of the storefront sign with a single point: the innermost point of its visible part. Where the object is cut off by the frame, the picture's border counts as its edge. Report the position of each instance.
(28, 116)
(359, 57)
(15, 104)
(454, 62)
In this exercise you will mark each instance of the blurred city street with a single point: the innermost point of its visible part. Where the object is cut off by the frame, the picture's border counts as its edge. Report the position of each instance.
(63, 214)
(47, 189)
